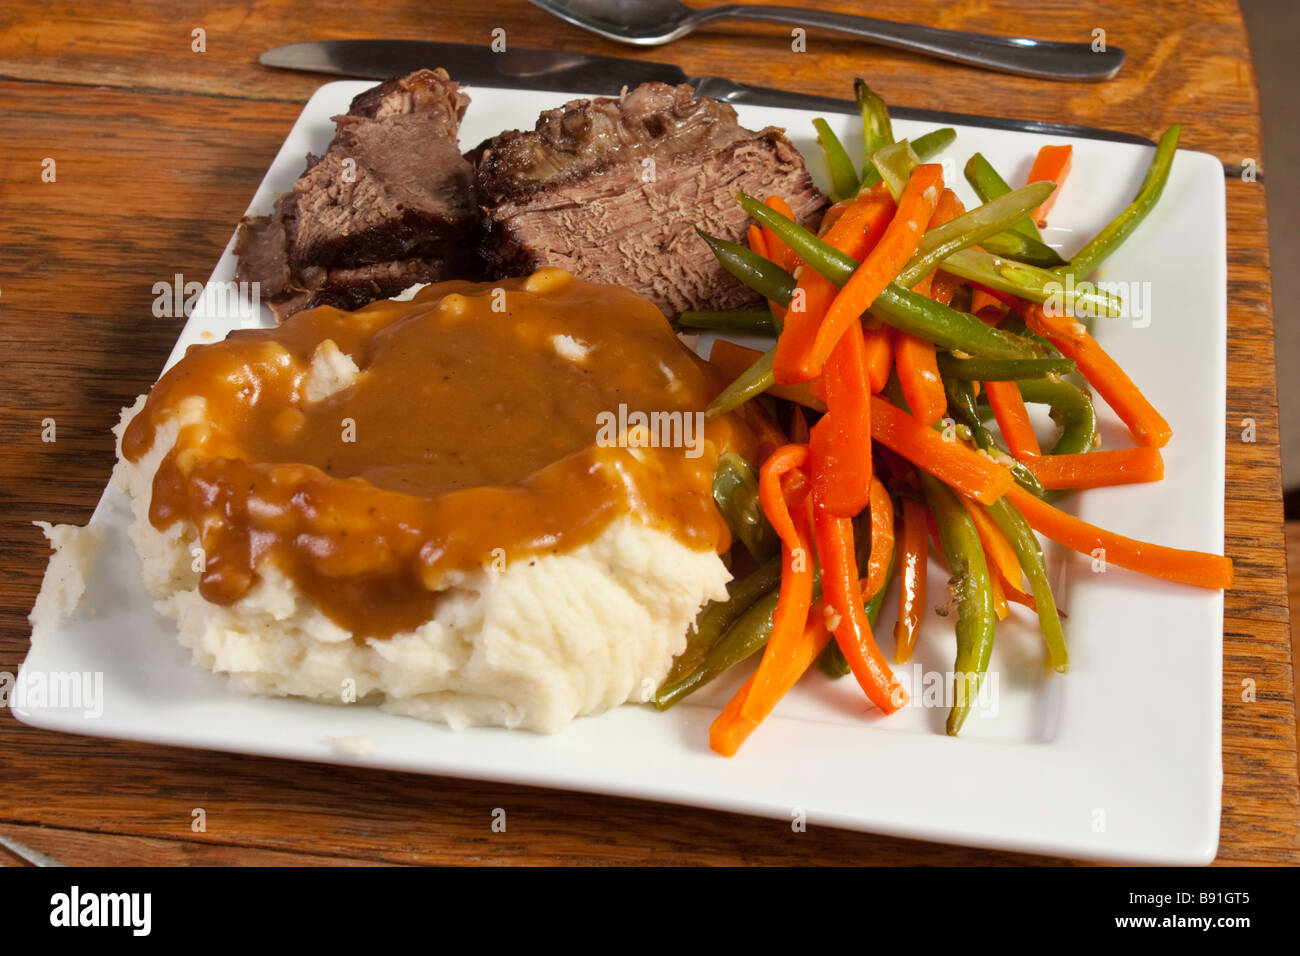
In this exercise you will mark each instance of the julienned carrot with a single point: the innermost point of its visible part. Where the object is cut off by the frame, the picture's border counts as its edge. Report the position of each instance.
(915, 207)
(786, 460)
(841, 442)
(813, 295)
(948, 208)
(945, 287)
(791, 615)
(986, 307)
(856, 231)
(1051, 165)
(914, 357)
(951, 462)
(917, 364)
(842, 590)
(880, 356)
(882, 539)
(778, 251)
(1013, 419)
(1173, 564)
(918, 374)
(911, 579)
(1098, 469)
(1018, 597)
(870, 213)
(737, 721)
(997, 549)
(731, 360)
(832, 215)
(1103, 373)
(1006, 298)
(923, 287)
(1000, 607)
(790, 516)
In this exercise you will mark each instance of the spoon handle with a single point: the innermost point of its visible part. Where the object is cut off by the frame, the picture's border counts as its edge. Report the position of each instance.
(1045, 60)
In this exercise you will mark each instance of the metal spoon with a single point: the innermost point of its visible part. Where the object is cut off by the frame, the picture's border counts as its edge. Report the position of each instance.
(653, 22)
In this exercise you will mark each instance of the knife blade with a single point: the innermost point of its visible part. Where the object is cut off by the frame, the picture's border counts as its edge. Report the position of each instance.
(518, 68)
(470, 63)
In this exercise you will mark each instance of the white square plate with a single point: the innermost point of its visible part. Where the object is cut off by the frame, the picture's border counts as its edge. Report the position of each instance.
(1119, 759)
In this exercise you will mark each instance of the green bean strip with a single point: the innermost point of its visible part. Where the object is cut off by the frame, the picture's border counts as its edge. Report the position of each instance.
(924, 147)
(931, 144)
(754, 381)
(762, 275)
(947, 328)
(736, 321)
(894, 163)
(963, 408)
(1030, 554)
(989, 185)
(1072, 410)
(844, 178)
(831, 661)
(971, 587)
(1014, 245)
(712, 626)
(1030, 282)
(1001, 370)
(877, 130)
(1022, 240)
(969, 229)
(746, 636)
(735, 492)
(898, 306)
(1087, 259)
(1015, 325)
(770, 281)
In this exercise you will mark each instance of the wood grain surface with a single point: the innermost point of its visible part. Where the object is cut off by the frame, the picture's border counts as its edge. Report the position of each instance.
(158, 151)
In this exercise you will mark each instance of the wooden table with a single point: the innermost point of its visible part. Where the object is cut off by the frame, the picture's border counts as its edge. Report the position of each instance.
(158, 149)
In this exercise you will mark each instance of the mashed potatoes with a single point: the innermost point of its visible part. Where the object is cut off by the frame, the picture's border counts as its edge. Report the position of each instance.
(530, 645)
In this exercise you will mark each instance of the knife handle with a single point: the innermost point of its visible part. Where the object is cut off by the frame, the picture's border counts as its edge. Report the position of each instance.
(730, 91)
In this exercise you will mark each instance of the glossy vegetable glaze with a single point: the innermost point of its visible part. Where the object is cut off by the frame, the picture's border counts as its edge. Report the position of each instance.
(483, 427)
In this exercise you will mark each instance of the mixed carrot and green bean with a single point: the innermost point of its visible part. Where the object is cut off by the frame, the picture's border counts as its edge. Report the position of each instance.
(905, 328)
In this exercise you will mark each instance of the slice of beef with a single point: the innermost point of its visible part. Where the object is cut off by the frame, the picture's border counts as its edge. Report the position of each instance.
(389, 191)
(262, 249)
(612, 189)
(427, 92)
(351, 288)
(391, 198)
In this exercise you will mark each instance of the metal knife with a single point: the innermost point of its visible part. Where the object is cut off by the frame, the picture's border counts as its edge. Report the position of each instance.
(514, 68)
(34, 857)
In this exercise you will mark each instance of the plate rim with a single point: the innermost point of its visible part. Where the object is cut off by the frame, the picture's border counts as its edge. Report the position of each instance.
(1209, 827)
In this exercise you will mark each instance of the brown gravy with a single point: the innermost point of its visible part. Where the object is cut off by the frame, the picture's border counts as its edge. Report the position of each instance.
(470, 437)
